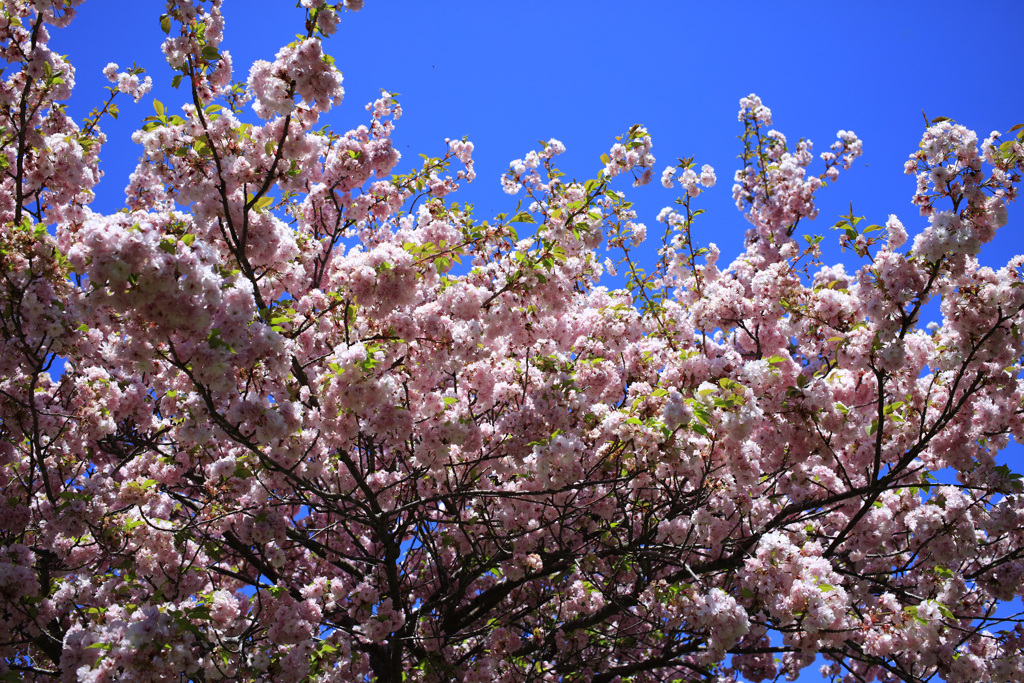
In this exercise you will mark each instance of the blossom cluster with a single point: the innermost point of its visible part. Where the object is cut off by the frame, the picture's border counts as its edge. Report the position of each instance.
(128, 82)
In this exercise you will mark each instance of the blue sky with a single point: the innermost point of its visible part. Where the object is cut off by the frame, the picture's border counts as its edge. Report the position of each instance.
(507, 74)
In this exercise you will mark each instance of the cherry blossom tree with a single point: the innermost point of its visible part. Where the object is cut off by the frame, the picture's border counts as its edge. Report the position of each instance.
(316, 421)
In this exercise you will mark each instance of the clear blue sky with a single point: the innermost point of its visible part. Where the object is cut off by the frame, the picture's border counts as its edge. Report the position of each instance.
(509, 73)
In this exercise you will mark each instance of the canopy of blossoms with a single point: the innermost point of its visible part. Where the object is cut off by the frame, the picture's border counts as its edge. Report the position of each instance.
(318, 422)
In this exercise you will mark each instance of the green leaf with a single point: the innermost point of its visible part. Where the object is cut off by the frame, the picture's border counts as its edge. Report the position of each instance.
(210, 53)
(161, 110)
(912, 611)
(201, 145)
(165, 23)
(701, 414)
(892, 406)
(217, 343)
(522, 217)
